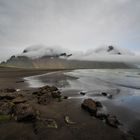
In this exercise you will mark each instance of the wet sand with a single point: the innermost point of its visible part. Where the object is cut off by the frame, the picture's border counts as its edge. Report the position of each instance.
(85, 127)
(13, 77)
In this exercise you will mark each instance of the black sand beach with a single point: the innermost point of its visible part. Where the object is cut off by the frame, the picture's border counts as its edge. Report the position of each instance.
(65, 118)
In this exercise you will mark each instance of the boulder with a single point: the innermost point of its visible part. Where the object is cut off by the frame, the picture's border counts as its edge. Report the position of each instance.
(19, 100)
(44, 99)
(101, 114)
(6, 108)
(7, 96)
(20, 81)
(48, 88)
(90, 106)
(109, 96)
(83, 93)
(98, 104)
(104, 93)
(112, 121)
(49, 91)
(46, 94)
(24, 112)
(68, 120)
(56, 94)
(8, 90)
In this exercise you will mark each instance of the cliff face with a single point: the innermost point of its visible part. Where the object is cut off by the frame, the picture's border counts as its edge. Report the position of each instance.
(59, 63)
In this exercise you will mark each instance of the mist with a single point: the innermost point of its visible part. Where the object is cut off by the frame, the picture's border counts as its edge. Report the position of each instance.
(73, 24)
(98, 54)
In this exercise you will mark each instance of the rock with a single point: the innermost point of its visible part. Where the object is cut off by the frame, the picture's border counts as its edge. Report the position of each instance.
(44, 99)
(53, 88)
(68, 121)
(43, 124)
(110, 48)
(18, 90)
(20, 81)
(65, 97)
(8, 90)
(98, 104)
(104, 93)
(112, 121)
(7, 96)
(56, 94)
(101, 115)
(51, 123)
(6, 108)
(49, 88)
(19, 100)
(24, 112)
(90, 106)
(83, 93)
(47, 93)
(109, 96)
(35, 93)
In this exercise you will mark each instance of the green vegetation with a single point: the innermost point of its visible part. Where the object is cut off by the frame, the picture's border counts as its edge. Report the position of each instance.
(5, 118)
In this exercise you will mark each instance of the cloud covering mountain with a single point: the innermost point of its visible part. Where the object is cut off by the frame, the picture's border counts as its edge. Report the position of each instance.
(104, 53)
(73, 24)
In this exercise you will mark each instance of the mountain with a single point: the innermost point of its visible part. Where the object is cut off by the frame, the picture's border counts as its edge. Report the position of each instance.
(58, 58)
(39, 51)
(111, 50)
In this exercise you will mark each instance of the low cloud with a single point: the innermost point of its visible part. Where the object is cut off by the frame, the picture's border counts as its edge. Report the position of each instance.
(104, 53)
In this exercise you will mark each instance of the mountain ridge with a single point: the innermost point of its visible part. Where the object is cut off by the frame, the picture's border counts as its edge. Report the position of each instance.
(55, 58)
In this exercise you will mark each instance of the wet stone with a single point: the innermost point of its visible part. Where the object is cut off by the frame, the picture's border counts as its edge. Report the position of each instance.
(24, 112)
(112, 121)
(90, 106)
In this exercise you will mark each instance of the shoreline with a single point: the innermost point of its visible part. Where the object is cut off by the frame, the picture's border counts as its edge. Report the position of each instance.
(86, 127)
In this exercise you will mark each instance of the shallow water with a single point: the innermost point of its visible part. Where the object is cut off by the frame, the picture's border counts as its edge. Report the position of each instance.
(123, 84)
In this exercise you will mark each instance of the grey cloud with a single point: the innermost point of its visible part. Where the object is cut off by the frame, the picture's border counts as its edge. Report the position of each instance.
(73, 24)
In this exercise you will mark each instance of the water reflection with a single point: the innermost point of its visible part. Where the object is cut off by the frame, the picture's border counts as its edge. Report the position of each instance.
(57, 79)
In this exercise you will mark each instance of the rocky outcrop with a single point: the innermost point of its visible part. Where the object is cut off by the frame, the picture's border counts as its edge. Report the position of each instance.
(46, 94)
(7, 96)
(12, 103)
(90, 106)
(24, 112)
(112, 121)
(8, 90)
(93, 107)
(6, 108)
(19, 100)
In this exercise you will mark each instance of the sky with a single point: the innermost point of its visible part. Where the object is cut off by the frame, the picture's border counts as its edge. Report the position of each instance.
(72, 24)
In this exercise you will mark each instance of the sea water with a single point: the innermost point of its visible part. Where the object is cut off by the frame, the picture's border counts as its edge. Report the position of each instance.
(122, 84)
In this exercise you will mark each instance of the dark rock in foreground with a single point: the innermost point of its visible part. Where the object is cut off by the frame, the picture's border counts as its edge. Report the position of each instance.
(19, 100)
(90, 106)
(46, 94)
(112, 121)
(24, 112)
(8, 90)
(93, 108)
(6, 108)
(7, 96)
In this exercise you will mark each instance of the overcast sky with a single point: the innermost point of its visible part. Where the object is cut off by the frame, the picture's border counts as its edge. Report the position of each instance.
(73, 24)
